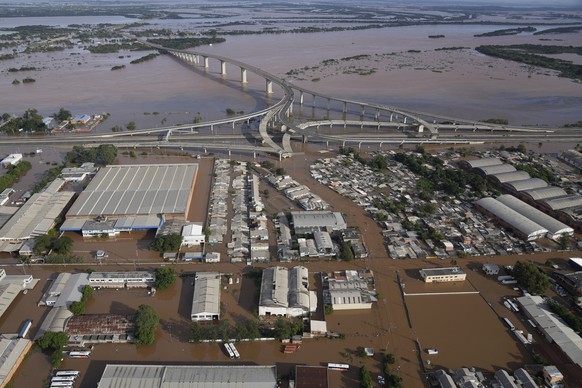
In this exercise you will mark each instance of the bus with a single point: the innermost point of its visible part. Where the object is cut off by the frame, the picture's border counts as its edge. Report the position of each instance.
(228, 350)
(61, 384)
(67, 373)
(334, 366)
(79, 353)
(24, 331)
(63, 378)
(234, 350)
(508, 323)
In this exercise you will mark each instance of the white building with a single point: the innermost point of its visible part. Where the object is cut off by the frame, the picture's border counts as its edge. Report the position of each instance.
(11, 160)
(206, 299)
(438, 275)
(306, 222)
(129, 279)
(192, 235)
(284, 292)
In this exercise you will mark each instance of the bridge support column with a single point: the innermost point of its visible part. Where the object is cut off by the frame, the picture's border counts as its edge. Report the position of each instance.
(269, 86)
(377, 115)
(391, 117)
(211, 127)
(301, 98)
(196, 60)
(243, 75)
(327, 106)
(289, 112)
(343, 143)
(205, 62)
(222, 68)
(360, 145)
(405, 119)
(345, 110)
(363, 110)
(313, 102)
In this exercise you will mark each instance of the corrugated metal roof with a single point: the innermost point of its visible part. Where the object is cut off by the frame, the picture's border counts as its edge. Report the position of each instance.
(564, 202)
(206, 298)
(137, 189)
(509, 216)
(188, 376)
(526, 184)
(483, 162)
(496, 169)
(512, 176)
(545, 192)
(554, 226)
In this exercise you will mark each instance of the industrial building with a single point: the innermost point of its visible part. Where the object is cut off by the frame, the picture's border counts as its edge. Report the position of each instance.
(188, 376)
(490, 269)
(572, 157)
(349, 290)
(543, 193)
(123, 279)
(12, 352)
(439, 275)
(307, 222)
(308, 376)
(65, 289)
(495, 169)
(132, 197)
(192, 235)
(478, 163)
(100, 328)
(556, 229)
(514, 176)
(35, 218)
(516, 186)
(521, 225)
(553, 328)
(206, 298)
(285, 292)
(78, 174)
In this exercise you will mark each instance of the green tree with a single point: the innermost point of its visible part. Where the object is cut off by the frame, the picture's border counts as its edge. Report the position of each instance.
(347, 253)
(106, 154)
(280, 171)
(165, 277)
(63, 245)
(62, 115)
(282, 329)
(51, 340)
(365, 378)
(564, 241)
(196, 332)
(531, 278)
(169, 242)
(42, 245)
(146, 323)
(32, 121)
(77, 308)
(131, 126)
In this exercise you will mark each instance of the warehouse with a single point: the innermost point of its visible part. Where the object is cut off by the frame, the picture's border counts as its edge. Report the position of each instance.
(188, 376)
(132, 197)
(562, 202)
(495, 169)
(13, 351)
(307, 222)
(483, 162)
(100, 328)
(123, 279)
(35, 218)
(439, 275)
(511, 176)
(284, 292)
(206, 298)
(521, 225)
(11, 160)
(526, 184)
(556, 229)
(543, 193)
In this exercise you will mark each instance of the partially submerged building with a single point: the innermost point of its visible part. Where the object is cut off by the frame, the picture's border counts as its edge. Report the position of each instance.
(285, 292)
(132, 197)
(307, 222)
(349, 290)
(12, 352)
(188, 376)
(439, 275)
(122, 279)
(206, 298)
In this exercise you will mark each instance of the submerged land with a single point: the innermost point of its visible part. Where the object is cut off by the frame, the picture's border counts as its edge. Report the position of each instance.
(505, 66)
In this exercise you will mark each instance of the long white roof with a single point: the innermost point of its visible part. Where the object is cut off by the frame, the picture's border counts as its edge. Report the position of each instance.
(554, 226)
(526, 184)
(511, 217)
(545, 192)
(483, 162)
(188, 376)
(137, 190)
(206, 297)
(496, 169)
(512, 176)
(564, 202)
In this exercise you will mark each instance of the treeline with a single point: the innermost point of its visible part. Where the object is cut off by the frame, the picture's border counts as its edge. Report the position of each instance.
(14, 173)
(22, 68)
(243, 329)
(507, 31)
(571, 319)
(526, 53)
(538, 171)
(148, 57)
(30, 121)
(451, 181)
(103, 154)
(108, 48)
(378, 162)
(559, 30)
(185, 43)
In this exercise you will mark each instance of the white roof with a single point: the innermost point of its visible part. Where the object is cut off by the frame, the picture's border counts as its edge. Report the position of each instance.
(285, 287)
(192, 230)
(496, 169)
(206, 297)
(554, 226)
(11, 350)
(512, 176)
(483, 162)
(188, 376)
(545, 192)
(511, 217)
(526, 184)
(137, 189)
(564, 202)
